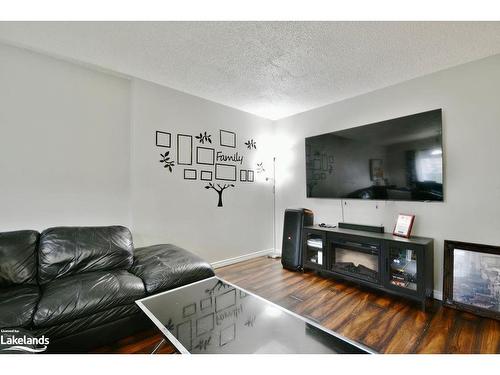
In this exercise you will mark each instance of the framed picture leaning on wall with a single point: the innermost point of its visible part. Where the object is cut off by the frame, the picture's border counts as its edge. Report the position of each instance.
(404, 225)
(472, 278)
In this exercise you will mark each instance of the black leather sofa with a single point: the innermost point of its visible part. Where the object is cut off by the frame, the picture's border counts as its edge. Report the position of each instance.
(78, 285)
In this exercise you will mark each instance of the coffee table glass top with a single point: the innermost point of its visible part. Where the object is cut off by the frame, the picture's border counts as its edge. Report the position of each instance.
(213, 316)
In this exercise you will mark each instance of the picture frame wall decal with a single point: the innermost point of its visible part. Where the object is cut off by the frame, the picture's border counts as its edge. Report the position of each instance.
(471, 280)
(250, 175)
(227, 138)
(205, 155)
(225, 172)
(246, 175)
(184, 149)
(190, 174)
(206, 175)
(163, 139)
(199, 157)
(243, 175)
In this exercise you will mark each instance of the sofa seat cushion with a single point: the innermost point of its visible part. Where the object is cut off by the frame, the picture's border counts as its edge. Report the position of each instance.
(68, 251)
(17, 305)
(77, 296)
(88, 322)
(164, 267)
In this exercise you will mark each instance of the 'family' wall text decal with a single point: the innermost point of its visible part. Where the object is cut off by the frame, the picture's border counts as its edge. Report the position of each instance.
(236, 157)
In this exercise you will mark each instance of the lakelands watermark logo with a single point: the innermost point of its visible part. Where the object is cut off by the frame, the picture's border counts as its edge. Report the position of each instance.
(17, 340)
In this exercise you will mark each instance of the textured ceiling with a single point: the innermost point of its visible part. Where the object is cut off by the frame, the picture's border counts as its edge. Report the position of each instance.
(271, 69)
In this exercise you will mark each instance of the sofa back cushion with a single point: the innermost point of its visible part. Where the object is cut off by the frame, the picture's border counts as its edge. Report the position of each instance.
(66, 251)
(18, 257)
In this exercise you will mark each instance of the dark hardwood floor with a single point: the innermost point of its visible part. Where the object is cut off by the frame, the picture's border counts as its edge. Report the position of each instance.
(386, 324)
(143, 343)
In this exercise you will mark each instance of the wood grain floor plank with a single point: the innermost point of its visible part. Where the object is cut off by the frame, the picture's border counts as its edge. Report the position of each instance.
(406, 334)
(489, 336)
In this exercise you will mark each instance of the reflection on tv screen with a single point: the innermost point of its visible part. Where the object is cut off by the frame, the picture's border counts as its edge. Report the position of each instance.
(398, 159)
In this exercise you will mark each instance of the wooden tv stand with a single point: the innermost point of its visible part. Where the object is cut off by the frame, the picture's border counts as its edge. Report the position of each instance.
(396, 265)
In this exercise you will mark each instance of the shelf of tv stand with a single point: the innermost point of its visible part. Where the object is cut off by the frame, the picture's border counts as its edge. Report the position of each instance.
(387, 246)
(380, 236)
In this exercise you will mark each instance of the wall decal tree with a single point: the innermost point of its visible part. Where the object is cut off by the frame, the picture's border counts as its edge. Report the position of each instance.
(219, 189)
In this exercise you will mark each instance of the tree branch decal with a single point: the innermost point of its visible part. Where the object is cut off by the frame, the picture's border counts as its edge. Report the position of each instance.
(167, 163)
(251, 144)
(204, 137)
(219, 189)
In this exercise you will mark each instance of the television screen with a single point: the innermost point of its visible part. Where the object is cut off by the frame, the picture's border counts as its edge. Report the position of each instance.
(398, 159)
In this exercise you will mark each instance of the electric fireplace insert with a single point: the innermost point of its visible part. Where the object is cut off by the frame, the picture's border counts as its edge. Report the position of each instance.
(356, 259)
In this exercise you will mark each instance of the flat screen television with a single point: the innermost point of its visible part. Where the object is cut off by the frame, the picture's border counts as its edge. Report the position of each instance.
(398, 159)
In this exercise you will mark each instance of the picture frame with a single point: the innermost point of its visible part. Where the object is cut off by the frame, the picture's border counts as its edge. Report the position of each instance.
(163, 139)
(250, 175)
(205, 155)
(184, 149)
(471, 278)
(190, 174)
(227, 138)
(404, 225)
(376, 169)
(243, 175)
(225, 172)
(206, 175)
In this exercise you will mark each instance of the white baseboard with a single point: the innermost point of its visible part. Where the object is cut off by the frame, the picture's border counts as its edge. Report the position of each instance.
(241, 258)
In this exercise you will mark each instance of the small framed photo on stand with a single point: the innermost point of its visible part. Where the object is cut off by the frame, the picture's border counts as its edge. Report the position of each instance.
(403, 225)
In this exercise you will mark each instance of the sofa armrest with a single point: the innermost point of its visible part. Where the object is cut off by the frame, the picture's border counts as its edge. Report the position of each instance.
(166, 266)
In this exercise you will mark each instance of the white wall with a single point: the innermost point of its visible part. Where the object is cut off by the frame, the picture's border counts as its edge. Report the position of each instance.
(168, 209)
(65, 157)
(469, 96)
(64, 143)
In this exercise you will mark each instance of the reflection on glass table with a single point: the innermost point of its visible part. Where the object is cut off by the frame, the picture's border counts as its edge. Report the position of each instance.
(213, 316)
(403, 268)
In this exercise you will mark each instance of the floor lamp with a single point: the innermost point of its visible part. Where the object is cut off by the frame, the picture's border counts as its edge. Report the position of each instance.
(274, 254)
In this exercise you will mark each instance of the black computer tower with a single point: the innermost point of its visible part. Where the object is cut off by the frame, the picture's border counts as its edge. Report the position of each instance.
(291, 249)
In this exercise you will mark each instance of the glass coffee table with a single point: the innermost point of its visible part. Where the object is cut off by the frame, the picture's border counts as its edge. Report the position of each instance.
(214, 316)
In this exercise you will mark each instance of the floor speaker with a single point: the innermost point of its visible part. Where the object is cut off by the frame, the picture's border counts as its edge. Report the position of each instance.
(291, 249)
